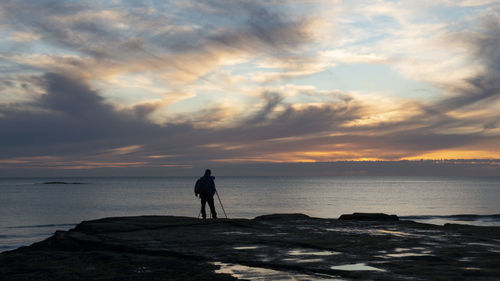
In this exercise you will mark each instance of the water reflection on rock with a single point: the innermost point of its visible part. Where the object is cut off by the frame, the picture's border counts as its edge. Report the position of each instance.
(356, 267)
(258, 273)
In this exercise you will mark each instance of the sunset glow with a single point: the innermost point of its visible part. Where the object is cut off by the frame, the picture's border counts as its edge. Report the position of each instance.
(87, 85)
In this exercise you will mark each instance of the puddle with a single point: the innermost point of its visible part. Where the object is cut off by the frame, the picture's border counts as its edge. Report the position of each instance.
(490, 247)
(399, 250)
(409, 252)
(483, 244)
(142, 269)
(376, 232)
(311, 253)
(298, 260)
(236, 232)
(259, 273)
(356, 267)
(246, 248)
(272, 234)
(402, 255)
(263, 258)
(395, 233)
(351, 230)
(305, 228)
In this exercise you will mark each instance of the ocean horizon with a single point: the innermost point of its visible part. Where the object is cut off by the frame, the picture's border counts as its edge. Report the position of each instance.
(32, 209)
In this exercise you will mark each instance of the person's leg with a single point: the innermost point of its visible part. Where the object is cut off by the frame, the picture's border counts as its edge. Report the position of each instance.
(212, 206)
(203, 202)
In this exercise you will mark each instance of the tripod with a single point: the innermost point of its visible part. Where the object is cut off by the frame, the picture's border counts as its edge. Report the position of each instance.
(199, 214)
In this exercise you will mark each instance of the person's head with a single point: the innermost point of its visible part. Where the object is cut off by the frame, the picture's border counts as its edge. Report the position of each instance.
(208, 172)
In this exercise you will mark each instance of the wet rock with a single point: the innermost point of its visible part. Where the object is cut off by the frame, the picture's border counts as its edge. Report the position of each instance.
(270, 247)
(369, 217)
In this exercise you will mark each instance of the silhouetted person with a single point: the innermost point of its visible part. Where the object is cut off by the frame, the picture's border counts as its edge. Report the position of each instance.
(205, 187)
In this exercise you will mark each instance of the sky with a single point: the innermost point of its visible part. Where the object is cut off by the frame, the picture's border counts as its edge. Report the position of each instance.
(159, 85)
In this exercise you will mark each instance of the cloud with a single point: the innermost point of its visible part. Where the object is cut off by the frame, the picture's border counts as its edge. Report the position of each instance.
(103, 44)
(73, 120)
(484, 87)
(71, 116)
(271, 101)
(349, 57)
(473, 3)
(75, 126)
(68, 113)
(264, 27)
(111, 39)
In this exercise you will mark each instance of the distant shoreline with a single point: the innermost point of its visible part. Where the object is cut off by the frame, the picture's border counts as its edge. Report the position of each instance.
(404, 168)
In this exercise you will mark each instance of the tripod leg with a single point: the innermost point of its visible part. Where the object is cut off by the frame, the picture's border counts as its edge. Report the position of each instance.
(221, 204)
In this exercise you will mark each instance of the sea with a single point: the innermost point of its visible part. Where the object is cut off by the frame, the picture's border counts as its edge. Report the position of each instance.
(32, 209)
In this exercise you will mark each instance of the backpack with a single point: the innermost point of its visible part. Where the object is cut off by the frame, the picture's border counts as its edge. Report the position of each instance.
(197, 186)
(202, 186)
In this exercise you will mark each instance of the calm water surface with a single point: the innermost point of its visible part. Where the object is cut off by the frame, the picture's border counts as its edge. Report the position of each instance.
(31, 210)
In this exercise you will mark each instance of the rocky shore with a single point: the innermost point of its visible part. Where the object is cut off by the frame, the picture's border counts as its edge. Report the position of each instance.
(282, 246)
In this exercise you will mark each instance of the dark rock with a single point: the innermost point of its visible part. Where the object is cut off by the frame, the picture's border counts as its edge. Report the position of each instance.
(282, 217)
(128, 224)
(369, 217)
(181, 248)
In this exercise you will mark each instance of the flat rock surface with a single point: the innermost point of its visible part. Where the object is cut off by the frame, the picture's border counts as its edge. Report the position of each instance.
(285, 247)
